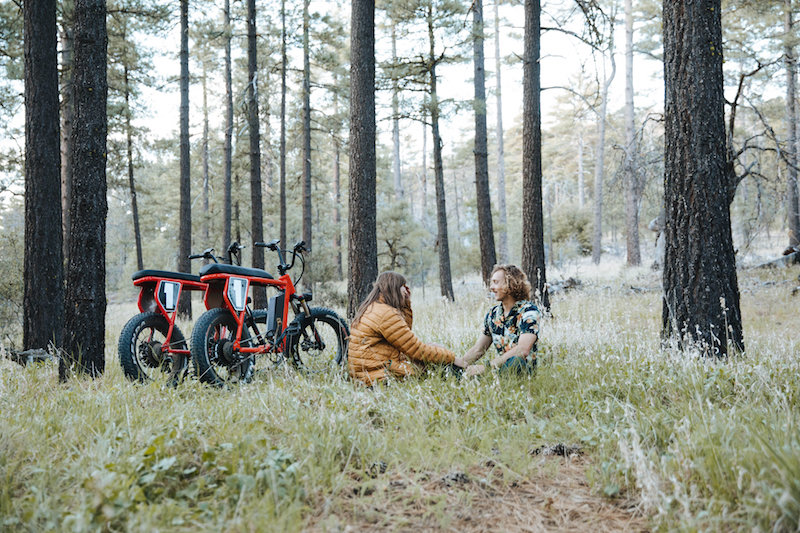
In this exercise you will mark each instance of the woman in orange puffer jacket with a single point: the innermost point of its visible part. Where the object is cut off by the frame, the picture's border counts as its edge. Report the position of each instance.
(381, 341)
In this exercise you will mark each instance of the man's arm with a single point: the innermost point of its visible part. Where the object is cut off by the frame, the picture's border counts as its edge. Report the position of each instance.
(521, 349)
(477, 351)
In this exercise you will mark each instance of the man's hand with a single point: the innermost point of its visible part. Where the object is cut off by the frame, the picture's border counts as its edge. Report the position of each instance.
(460, 362)
(497, 362)
(474, 370)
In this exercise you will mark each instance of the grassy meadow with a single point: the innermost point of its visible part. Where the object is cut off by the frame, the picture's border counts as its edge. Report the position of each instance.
(610, 433)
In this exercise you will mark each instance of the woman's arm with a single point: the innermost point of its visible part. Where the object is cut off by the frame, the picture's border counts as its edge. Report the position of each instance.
(394, 329)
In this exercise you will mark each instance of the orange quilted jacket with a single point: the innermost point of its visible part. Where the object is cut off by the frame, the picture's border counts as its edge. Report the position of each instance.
(382, 344)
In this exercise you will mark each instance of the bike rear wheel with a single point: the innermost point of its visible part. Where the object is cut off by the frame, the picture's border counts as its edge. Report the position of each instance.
(141, 348)
(319, 343)
(215, 360)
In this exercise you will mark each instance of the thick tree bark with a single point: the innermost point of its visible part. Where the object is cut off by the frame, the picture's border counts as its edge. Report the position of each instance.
(483, 199)
(67, 45)
(228, 147)
(398, 178)
(256, 211)
(533, 259)
(792, 203)
(445, 278)
(282, 186)
(502, 243)
(137, 234)
(309, 277)
(701, 295)
(363, 247)
(85, 301)
(632, 193)
(185, 212)
(43, 276)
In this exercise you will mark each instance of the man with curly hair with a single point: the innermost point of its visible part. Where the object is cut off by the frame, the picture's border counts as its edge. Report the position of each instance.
(512, 325)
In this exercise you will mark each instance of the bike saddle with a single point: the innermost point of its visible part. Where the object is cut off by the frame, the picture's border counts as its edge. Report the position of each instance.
(183, 276)
(221, 268)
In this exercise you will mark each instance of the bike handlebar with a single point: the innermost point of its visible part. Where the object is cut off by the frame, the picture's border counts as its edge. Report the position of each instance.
(208, 253)
(283, 266)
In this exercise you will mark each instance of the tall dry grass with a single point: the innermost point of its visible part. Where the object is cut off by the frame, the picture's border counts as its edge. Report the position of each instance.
(697, 444)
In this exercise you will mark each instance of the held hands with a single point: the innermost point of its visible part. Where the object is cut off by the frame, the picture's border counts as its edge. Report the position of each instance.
(474, 370)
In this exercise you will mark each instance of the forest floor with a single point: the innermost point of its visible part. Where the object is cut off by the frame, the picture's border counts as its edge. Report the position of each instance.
(612, 433)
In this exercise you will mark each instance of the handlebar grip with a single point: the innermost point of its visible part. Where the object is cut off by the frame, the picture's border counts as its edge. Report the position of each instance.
(272, 245)
(196, 256)
(301, 245)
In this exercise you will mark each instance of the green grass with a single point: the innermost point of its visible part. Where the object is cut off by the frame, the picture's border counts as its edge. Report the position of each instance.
(696, 444)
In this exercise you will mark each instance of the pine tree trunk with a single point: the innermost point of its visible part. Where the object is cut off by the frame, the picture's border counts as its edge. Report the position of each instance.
(701, 295)
(67, 45)
(445, 278)
(425, 164)
(228, 148)
(284, 64)
(309, 277)
(792, 203)
(600, 160)
(363, 247)
(256, 210)
(185, 215)
(502, 245)
(482, 197)
(337, 191)
(398, 179)
(137, 233)
(85, 299)
(581, 172)
(632, 194)
(206, 185)
(43, 275)
(533, 258)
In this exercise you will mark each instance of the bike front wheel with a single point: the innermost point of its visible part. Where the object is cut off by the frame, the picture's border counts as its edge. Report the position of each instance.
(319, 340)
(142, 348)
(215, 360)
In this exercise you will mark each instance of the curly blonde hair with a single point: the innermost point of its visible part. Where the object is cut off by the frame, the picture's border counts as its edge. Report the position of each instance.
(517, 282)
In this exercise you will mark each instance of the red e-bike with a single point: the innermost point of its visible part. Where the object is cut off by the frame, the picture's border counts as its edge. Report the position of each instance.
(228, 337)
(151, 341)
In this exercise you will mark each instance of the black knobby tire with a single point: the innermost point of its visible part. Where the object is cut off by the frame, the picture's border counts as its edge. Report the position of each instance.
(320, 340)
(215, 362)
(140, 346)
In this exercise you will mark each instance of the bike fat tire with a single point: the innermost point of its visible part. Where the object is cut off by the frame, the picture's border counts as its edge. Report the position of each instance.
(304, 348)
(133, 340)
(211, 332)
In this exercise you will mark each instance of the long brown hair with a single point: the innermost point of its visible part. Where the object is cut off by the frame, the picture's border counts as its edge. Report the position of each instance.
(386, 288)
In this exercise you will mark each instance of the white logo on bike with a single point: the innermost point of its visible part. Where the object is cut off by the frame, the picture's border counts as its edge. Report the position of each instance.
(168, 294)
(237, 293)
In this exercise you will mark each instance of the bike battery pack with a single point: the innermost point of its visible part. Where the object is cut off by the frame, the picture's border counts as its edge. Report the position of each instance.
(275, 316)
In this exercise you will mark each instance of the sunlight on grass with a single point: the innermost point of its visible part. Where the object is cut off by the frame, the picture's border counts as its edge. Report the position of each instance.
(697, 444)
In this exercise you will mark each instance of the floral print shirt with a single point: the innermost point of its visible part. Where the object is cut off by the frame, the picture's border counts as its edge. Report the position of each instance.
(506, 329)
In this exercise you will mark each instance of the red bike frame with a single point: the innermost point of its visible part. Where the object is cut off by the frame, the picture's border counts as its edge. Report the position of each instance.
(160, 292)
(228, 287)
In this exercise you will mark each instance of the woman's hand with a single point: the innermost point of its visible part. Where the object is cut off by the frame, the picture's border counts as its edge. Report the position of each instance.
(460, 362)
(406, 291)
